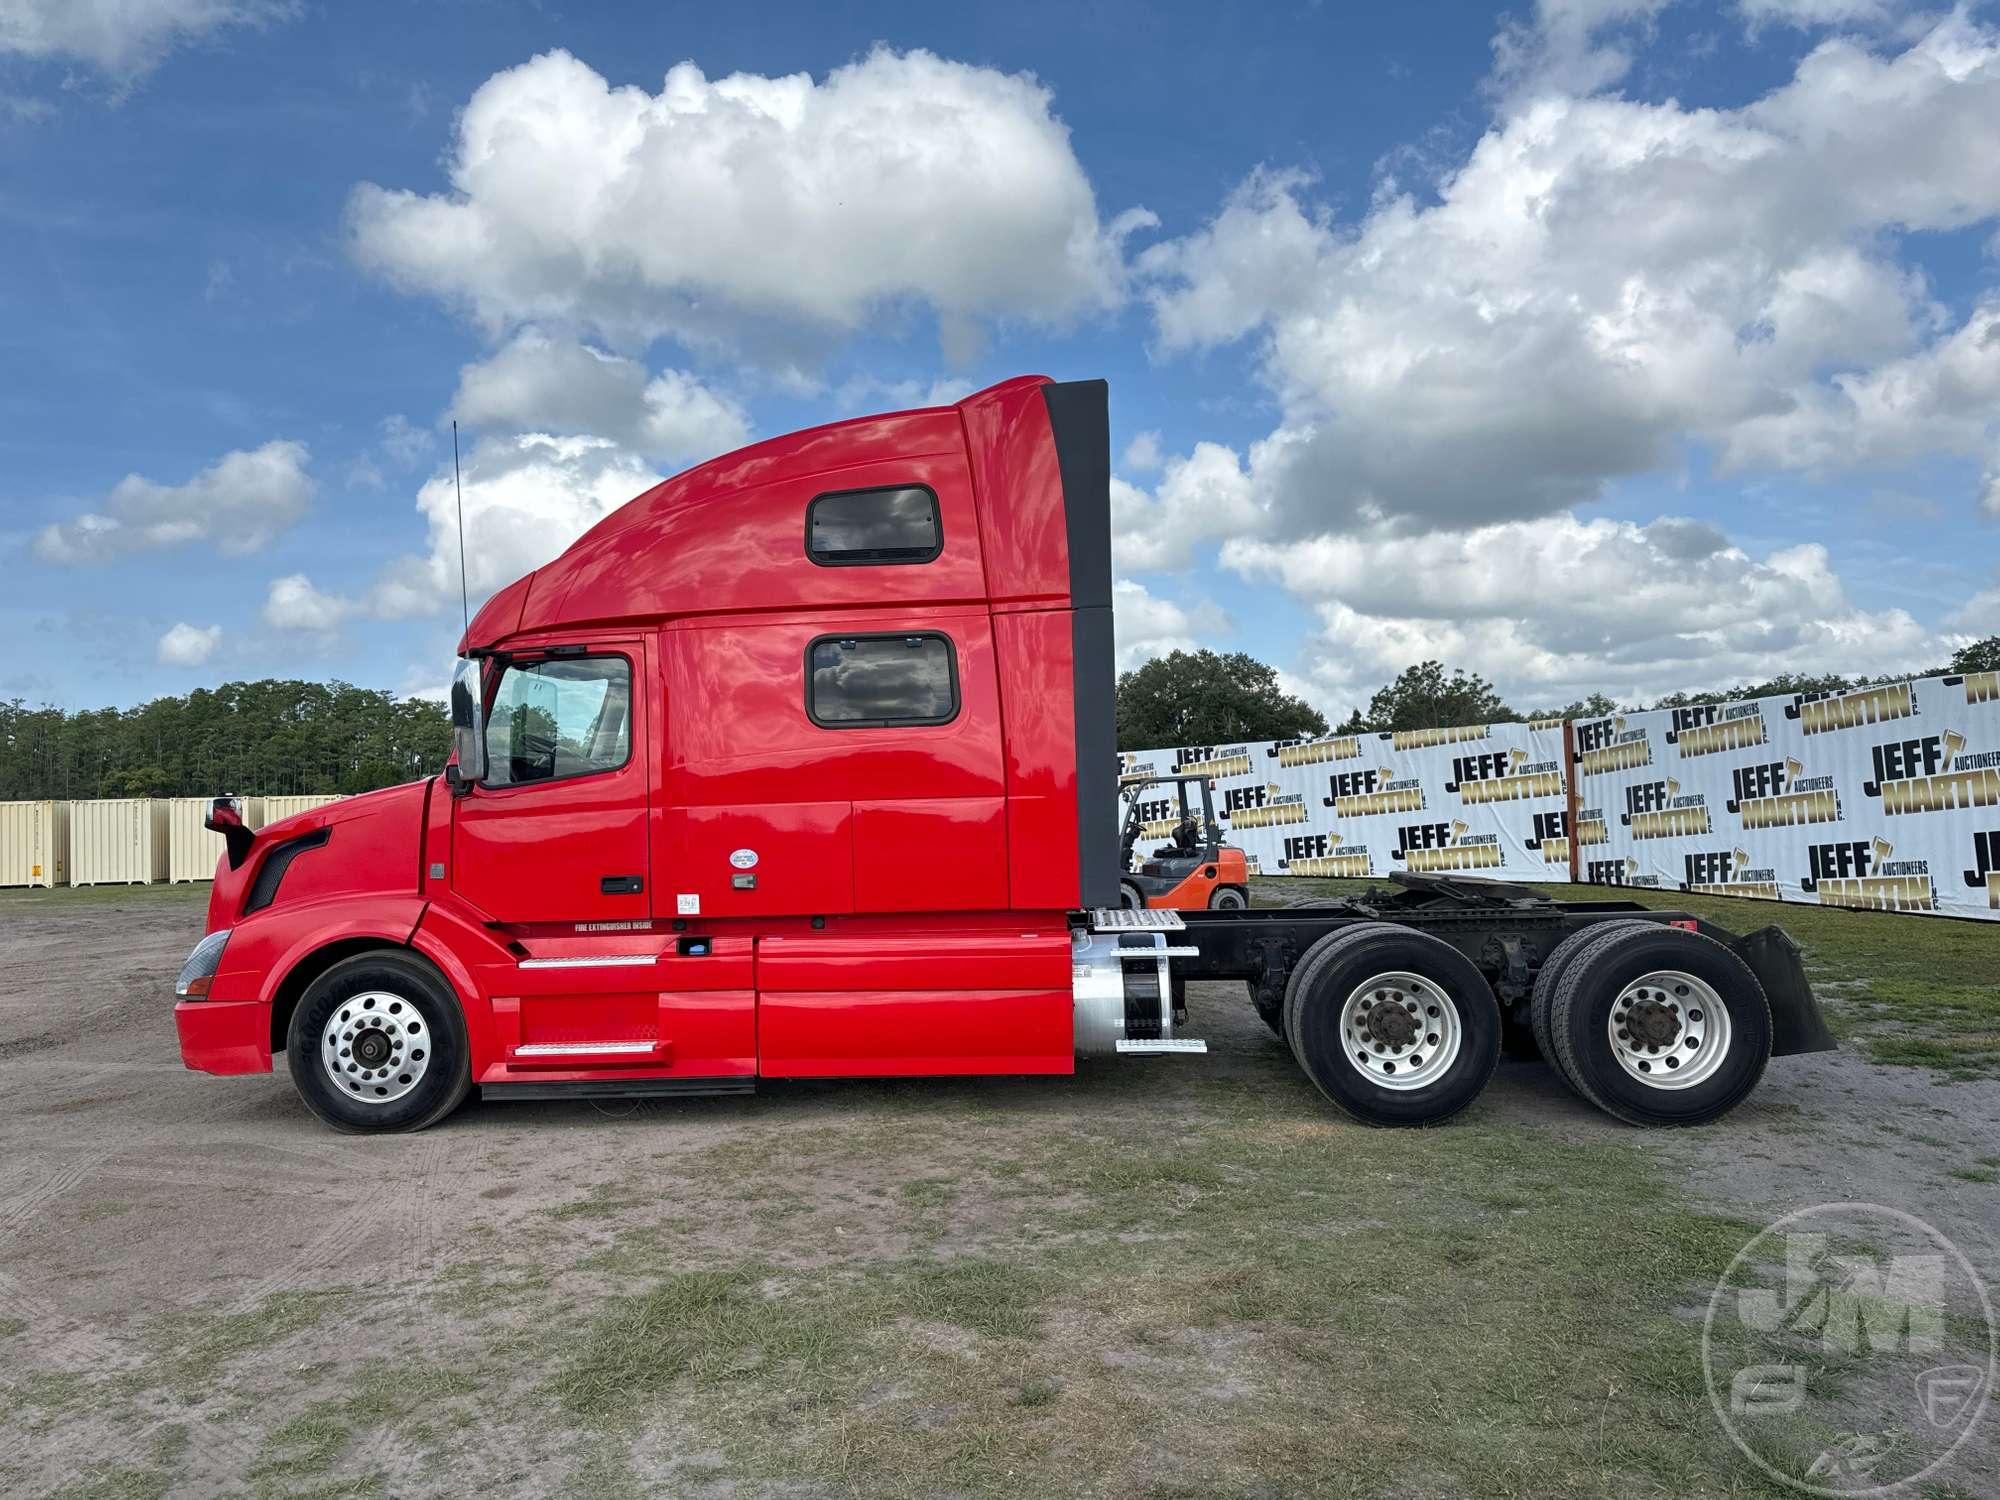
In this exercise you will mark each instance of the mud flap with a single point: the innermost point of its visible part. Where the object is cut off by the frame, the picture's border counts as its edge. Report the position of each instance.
(1796, 1022)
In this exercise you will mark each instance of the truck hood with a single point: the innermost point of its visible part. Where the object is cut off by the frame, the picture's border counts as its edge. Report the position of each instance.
(365, 844)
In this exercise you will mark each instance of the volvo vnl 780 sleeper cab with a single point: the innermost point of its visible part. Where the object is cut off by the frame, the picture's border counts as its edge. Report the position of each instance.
(801, 765)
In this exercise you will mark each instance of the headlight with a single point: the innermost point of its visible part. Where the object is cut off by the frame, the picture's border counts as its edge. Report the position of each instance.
(201, 966)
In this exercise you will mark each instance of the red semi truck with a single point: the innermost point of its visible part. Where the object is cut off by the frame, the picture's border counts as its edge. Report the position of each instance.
(801, 764)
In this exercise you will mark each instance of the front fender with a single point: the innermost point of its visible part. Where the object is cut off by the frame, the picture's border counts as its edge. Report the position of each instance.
(229, 1029)
(264, 949)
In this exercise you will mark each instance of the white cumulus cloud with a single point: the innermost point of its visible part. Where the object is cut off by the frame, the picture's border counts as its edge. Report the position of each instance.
(238, 504)
(1808, 15)
(1146, 625)
(293, 603)
(1603, 280)
(557, 385)
(1205, 496)
(775, 214)
(186, 645)
(527, 497)
(1557, 607)
(124, 38)
(1568, 46)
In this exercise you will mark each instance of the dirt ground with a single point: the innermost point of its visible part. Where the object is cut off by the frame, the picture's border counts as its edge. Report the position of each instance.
(1178, 1277)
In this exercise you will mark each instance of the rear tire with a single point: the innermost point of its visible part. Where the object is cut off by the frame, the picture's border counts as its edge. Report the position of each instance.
(1658, 1025)
(1228, 898)
(1130, 896)
(1394, 1026)
(389, 1002)
(1543, 999)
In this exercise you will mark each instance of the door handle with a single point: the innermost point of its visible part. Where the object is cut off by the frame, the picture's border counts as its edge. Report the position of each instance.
(622, 885)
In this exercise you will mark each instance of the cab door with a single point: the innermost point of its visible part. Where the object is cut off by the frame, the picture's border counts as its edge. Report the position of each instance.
(556, 830)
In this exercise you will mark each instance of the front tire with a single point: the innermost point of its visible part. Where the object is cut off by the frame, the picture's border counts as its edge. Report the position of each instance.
(377, 1044)
(1396, 1027)
(1658, 1025)
(1130, 896)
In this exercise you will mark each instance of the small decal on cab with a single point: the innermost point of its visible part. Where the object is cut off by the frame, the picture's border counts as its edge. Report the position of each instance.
(687, 904)
(744, 859)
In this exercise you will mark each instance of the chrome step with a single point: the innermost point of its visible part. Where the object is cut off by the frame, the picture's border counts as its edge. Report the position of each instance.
(585, 1049)
(1128, 919)
(1128, 1045)
(597, 961)
(1185, 951)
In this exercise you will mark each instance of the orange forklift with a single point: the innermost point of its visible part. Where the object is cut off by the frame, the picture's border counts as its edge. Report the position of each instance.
(1193, 870)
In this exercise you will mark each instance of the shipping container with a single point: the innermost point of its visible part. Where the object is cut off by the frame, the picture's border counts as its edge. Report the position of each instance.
(191, 849)
(284, 807)
(34, 843)
(118, 841)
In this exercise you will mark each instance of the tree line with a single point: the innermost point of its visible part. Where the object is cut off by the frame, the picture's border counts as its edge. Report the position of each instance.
(264, 738)
(1211, 698)
(279, 737)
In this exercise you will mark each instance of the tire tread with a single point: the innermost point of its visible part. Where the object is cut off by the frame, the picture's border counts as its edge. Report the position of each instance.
(1570, 991)
(1330, 949)
(302, 1050)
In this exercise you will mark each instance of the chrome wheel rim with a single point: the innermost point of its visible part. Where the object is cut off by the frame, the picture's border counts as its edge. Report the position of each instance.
(375, 1047)
(1400, 1030)
(1669, 1030)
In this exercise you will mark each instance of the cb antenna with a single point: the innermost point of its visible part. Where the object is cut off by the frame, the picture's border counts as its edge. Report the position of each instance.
(458, 488)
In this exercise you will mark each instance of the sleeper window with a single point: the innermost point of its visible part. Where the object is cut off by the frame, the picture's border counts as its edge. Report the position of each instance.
(879, 681)
(566, 716)
(855, 527)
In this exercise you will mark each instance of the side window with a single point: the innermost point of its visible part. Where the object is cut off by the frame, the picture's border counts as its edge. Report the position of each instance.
(881, 681)
(857, 527)
(565, 716)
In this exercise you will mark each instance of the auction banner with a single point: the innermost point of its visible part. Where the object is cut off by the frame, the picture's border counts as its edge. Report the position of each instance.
(1484, 799)
(1883, 797)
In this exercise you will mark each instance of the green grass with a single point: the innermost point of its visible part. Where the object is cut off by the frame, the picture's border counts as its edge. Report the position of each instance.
(1251, 1300)
(302, 1447)
(39, 898)
(1155, 1280)
(1906, 990)
(1188, 1281)
(194, 1348)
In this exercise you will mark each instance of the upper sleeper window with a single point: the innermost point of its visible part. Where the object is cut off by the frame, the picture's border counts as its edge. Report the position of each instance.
(856, 527)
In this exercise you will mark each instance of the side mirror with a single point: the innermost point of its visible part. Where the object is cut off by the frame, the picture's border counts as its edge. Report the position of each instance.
(467, 765)
(225, 816)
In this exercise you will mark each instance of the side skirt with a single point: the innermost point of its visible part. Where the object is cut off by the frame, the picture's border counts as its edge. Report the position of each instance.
(619, 1088)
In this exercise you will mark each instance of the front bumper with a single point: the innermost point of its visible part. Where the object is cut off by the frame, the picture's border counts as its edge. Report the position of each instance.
(224, 1036)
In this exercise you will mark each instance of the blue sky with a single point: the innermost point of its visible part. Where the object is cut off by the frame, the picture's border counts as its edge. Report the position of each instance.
(1611, 344)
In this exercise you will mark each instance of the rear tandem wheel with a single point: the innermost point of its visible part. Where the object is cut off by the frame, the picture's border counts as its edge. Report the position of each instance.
(1394, 1026)
(1661, 1026)
(1542, 1000)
